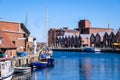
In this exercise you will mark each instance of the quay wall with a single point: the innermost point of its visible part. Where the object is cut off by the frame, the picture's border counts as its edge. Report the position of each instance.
(80, 49)
(68, 49)
(110, 50)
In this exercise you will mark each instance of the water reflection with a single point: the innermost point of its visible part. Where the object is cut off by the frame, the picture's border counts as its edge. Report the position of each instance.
(22, 76)
(79, 66)
(100, 69)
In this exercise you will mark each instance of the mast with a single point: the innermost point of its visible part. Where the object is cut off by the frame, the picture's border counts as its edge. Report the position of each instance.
(26, 20)
(47, 26)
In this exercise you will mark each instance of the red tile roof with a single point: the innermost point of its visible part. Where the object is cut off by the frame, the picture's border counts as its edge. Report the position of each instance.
(6, 43)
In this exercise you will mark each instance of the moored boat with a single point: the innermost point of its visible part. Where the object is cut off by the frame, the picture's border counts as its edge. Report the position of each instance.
(44, 59)
(40, 64)
(6, 70)
(22, 70)
(88, 49)
(91, 49)
(97, 49)
(50, 61)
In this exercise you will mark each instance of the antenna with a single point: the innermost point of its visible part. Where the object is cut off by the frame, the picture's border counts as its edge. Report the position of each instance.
(108, 25)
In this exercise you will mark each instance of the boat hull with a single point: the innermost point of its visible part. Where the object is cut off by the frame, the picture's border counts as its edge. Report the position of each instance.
(22, 70)
(7, 76)
(88, 49)
(40, 64)
(50, 62)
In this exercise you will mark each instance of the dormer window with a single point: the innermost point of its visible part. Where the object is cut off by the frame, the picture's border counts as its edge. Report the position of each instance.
(0, 40)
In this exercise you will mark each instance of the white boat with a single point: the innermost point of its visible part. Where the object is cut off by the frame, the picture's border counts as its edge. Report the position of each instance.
(97, 49)
(8, 78)
(6, 70)
(22, 70)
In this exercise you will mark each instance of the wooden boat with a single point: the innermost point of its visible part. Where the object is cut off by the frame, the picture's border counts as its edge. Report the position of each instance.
(22, 70)
(6, 70)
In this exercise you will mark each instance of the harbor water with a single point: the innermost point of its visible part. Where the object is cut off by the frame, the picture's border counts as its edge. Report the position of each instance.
(78, 66)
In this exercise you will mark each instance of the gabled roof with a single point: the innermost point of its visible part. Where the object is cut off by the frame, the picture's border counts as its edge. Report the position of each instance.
(108, 33)
(101, 34)
(6, 43)
(85, 35)
(94, 34)
(115, 32)
(25, 29)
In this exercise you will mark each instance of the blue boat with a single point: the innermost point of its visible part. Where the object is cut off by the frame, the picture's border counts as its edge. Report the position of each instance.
(43, 64)
(88, 49)
(44, 60)
(50, 62)
(40, 64)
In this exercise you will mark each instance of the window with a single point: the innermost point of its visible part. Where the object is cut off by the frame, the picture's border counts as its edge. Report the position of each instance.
(13, 42)
(97, 39)
(92, 39)
(0, 40)
(10, 53)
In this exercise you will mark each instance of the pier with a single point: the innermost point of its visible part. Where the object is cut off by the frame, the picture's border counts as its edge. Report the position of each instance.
(23, 61)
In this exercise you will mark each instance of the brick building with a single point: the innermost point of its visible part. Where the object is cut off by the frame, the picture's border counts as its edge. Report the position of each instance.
(84, 27)
(96, 39)
(53, 33)
(6, 45)
(16, 32)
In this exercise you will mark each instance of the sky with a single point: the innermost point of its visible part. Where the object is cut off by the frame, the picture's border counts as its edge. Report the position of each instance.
(61, 13)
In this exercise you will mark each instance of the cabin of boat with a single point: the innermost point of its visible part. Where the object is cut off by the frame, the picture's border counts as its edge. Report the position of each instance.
(6, 69)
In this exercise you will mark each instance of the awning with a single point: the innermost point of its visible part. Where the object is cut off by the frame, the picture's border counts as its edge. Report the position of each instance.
(116, 44)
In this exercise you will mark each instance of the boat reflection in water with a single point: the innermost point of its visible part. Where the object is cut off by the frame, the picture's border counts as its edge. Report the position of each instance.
(22, 76)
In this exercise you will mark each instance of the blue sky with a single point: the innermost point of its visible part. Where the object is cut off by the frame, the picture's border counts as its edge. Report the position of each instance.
(61, 13)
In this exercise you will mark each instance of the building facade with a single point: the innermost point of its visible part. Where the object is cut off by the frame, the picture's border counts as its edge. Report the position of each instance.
(78, 37)
(6, 45)
(16, 32)
(54, 33)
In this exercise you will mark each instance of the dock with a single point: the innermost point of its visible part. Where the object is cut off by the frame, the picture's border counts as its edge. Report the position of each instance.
(23, 61)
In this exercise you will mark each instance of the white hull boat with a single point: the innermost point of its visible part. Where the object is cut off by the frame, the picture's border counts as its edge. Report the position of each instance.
(6, 70)
(22, 69)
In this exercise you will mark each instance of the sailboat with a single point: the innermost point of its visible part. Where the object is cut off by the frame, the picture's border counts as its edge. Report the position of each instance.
(49, 60)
